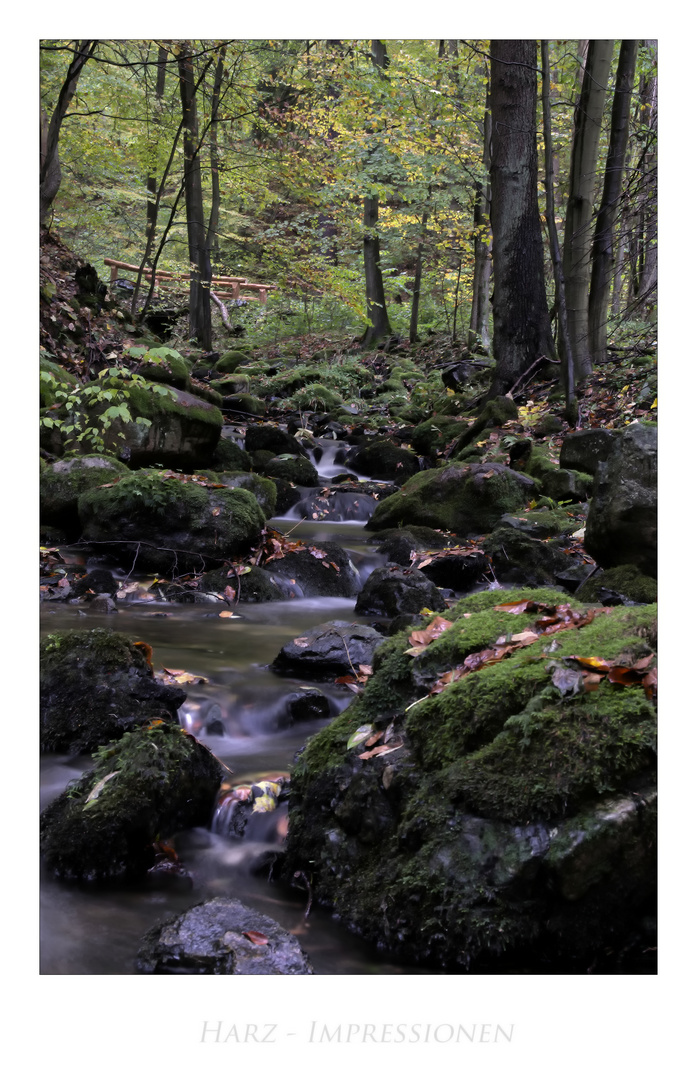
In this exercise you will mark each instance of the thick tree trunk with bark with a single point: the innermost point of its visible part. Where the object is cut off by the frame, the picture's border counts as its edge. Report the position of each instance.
(199, 259)
(603, 241)
(522, 330)
(579, 211)
(50, 170)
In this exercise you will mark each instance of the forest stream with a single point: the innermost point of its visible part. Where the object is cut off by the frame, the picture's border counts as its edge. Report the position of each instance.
(97, 931)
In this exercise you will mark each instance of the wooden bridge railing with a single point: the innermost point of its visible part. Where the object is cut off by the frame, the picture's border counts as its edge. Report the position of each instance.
(223, 285)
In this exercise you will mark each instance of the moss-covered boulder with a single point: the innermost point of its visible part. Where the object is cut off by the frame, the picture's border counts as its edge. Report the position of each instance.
(53, 377)
(619, 585)
(228, 456)
(231, 360)
(584, 450)
(169, 523)
(431, 436)
(247, 404)
(518, 558)
(261, 487)
(622, 525)
(61, 484)
(504, 812)
(147, 423)
(271, 438)
(144, 787)
(94, 685)
(494, 414)
(459, 498)
(294, 468)
(169, 368)
(380, 459)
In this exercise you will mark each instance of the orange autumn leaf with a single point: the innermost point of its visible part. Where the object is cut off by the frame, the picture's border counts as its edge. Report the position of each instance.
(255, 937)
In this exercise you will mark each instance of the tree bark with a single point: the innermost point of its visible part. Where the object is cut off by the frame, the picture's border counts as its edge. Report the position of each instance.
(378, 327)
(567, 356)
(50, 170)
(579, 211)
(603, 241)
(416, 295)
(479, 315)
(212, 234)
(199, 259)
(522, 330)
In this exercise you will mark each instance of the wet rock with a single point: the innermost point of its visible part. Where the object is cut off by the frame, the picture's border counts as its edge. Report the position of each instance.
(622, 522)
(306, 704)
(94, 685)
(151, 783)
(229, 457)
(329, 650)
(619, 585)
(584, 450)
(397, 590)
(97, 581)
(510, 818)
(382, 460)
(520, 559)
(459, 498)
(320, 570)
(221, 937)
(165, 524)
(268, 437)
(349, 501)
(295, 469)
(263, 489)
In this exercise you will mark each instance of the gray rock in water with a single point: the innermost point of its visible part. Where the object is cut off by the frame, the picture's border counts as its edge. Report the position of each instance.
(329, 650)
(397, 590)
(221, 937)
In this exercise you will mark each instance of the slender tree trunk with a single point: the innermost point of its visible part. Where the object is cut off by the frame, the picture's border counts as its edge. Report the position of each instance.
(199, 259)
(603, 241)
(567, 356)
(416, 295)
(212, 234)
(479, 315)
(153, 203)
(522, 330)
(378, 322)
(579, 211)
(49, 169)
(648, 277)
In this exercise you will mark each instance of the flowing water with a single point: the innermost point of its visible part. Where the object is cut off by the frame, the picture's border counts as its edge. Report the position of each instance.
(240, 714)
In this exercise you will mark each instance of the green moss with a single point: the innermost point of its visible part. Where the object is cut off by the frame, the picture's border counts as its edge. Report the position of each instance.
(627, 582)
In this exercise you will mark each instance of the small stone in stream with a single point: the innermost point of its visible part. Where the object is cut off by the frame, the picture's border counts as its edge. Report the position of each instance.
(221, 937)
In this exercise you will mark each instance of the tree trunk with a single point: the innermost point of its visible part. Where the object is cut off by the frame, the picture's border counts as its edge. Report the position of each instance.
(603, 241)
(378, 322)
(153, 201)
(50, 170)
(479, 315)
(579, 211)
(522, 330)
(199, 259)
(416, 295)
(212, 234)
(567, 356)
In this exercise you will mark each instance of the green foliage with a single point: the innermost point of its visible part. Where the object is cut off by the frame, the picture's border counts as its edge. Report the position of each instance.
(83, 413)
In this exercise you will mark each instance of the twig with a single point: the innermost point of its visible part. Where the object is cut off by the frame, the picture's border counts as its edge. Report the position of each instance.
(300, 874)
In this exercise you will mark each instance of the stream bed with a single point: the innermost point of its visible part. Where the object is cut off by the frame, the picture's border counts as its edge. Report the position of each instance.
(240, 713)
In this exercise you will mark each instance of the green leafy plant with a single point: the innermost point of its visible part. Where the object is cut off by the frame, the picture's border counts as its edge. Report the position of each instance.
(75, 414)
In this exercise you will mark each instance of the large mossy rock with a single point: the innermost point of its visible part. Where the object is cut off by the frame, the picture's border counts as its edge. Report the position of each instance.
(61, 484)
(459, 498)
(380, 459)
(622, 525)
(94, 685)
(513, 818)
(182, 432)
(221, 937)
(584, 450)
(151, 783)
(170, 523)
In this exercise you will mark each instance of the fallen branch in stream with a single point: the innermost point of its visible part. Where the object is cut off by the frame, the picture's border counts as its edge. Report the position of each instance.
(300, 874)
